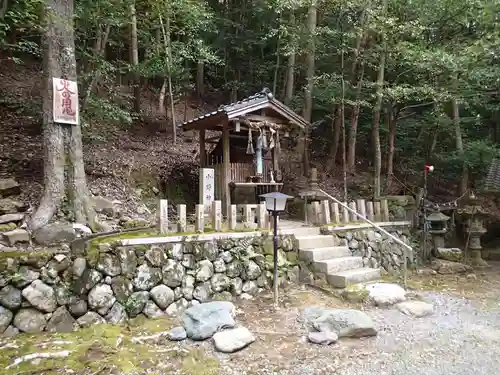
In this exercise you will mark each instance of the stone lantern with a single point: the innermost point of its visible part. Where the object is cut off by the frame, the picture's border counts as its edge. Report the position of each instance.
(312, 196)
(438, 227)
(474, 216)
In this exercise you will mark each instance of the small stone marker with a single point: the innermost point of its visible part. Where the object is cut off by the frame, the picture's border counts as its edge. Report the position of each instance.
(261, 215)
(325, 205)
(232, 217)
(207, 188)
(163, 216)
(369, 211)
(361, 205)
(345, 213)
(352, 206)
(182, 221)
(232, 340)
(377, 211)
(247, 214)
(384, 207)
(200, 218)
(336, 212)
(216, 216)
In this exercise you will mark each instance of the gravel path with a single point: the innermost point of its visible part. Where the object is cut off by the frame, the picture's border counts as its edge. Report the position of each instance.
(459, 338)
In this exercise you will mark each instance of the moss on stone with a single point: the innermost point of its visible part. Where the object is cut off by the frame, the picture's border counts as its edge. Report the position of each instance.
(106, 347)
(355, 293)
(7, 227)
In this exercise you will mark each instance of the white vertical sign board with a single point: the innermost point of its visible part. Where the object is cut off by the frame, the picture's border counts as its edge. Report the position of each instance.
(65, 101)
(207, 188)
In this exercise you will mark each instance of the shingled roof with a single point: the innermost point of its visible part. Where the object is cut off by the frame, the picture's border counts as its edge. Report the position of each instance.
(261, 100)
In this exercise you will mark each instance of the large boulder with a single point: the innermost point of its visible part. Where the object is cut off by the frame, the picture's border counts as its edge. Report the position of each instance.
(54, 233)
(203, 320)
(345, 323)
(41, 296)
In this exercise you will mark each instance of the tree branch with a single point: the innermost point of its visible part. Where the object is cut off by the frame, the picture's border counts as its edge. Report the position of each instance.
(3, 8)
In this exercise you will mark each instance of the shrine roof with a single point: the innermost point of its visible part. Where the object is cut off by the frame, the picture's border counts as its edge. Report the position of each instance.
(262, 100)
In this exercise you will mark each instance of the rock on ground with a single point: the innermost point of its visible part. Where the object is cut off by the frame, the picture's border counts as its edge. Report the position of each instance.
(385, 294)
(323, 338)
(203, 320)
(417, 309)
(232, 340)
(345, 323)
(177, 334)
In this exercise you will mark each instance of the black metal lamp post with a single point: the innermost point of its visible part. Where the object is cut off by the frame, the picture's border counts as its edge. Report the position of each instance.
(275, 204)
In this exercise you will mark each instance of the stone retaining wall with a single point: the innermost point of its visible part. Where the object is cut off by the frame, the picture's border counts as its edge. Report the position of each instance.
(55, 291)
(376, 248)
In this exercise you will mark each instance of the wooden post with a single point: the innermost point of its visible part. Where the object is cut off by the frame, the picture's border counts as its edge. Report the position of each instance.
(369, 211)
(352, 206)
(182, 221)
(232, 217)
(200, 218)
(203, 153)
(216, 216)
(162, 216)
(361, 205)
(226, 178)
(377, 211)
(325, 205)
(261, 215)
(384, 209)
(345, 213)
(336, 212)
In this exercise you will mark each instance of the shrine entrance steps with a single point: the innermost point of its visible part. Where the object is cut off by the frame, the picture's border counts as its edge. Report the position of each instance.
(329, 256)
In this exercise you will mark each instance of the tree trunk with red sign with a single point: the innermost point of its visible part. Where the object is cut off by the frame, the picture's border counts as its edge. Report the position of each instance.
(64, 174)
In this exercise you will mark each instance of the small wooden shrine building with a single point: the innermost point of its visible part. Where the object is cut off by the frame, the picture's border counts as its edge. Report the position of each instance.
(247, 151)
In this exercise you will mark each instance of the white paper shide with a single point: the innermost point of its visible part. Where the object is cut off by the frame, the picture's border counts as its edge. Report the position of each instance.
(65, 101)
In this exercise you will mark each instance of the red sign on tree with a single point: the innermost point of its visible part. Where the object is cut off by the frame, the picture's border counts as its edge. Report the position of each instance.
(65, 101)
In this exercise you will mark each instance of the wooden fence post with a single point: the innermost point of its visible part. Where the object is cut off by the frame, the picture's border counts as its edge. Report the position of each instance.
(384, 210)
(261, 215)
(345, 213)
(352, 206)
(377, 210)
(361, 205)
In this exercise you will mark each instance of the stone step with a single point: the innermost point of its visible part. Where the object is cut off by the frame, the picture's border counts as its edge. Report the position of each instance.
(353, 276)
(324, 253)
(315, 241)
(300, 231)
(331, 266)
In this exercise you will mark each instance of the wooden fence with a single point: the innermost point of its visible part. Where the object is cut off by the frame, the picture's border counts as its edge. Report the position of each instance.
(255, 216)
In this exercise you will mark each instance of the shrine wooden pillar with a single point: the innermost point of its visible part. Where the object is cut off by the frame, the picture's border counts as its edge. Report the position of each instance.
(226, 178)
(203, 153)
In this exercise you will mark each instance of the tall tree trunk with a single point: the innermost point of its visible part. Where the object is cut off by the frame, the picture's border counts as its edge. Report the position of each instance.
(377, 154)
(336, 127)
(62, 143)
(99, 52)
(353, 129)
(391, 125)
(290, 70)
(168, 52)
(310, 60)
(200, 77)
(464, 180)
(134, 57)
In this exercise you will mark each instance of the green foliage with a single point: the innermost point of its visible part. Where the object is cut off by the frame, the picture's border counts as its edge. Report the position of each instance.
(436, 52)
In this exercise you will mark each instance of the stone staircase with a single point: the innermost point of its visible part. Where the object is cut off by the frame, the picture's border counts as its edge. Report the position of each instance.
(332, 258)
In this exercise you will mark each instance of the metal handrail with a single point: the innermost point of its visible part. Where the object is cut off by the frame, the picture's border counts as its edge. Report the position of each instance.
(394, 238)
